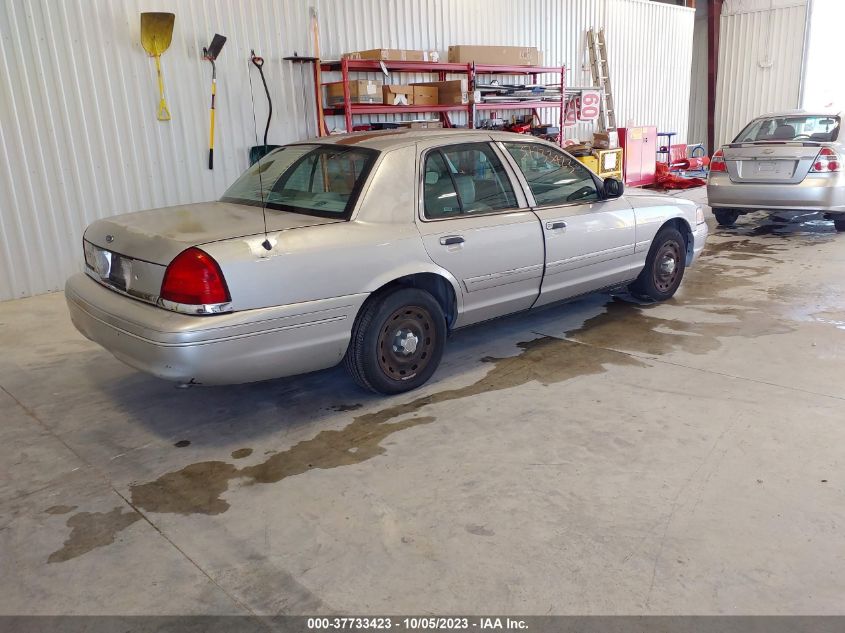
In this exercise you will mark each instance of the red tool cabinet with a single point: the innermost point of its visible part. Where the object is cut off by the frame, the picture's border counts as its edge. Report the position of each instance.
(639, 159)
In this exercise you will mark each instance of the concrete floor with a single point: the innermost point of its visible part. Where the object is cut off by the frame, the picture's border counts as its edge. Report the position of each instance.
(601, 457)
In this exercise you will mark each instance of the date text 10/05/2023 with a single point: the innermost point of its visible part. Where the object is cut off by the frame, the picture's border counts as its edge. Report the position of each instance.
(415, 623)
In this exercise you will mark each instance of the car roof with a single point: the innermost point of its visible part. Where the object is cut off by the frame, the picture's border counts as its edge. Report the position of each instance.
(786, 113)
(385, 140)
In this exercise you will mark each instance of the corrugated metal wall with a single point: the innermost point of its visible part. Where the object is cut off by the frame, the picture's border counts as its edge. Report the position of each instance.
(78, 134)
(761, 47)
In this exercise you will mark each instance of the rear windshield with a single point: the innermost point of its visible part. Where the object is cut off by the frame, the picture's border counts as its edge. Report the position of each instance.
(321, 180)
(818, 128)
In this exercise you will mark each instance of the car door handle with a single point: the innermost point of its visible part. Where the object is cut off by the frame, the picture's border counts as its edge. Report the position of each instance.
(449, 240)
(551, 226)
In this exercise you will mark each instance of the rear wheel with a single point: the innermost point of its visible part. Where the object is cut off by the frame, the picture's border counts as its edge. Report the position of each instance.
(726, 217)
(839, 224)
(664, 267)
(397, 341)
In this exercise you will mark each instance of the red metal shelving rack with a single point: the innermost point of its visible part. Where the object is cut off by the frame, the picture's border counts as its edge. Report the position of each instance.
(348, 110)
(533, 71)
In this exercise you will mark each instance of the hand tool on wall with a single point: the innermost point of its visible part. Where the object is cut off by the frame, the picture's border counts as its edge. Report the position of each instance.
(210, 53)
(318, 83)
(300, 61)
(258, 151)
(156, 34)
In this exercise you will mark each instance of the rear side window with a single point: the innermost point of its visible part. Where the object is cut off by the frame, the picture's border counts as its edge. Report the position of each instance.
(322, 180)
(554, 177)
(465, 179)
(820, 128)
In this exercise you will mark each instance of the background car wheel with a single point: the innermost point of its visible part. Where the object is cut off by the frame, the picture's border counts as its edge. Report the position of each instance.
(397, 341)
(664, 267)
(839, 224)
(726, 217)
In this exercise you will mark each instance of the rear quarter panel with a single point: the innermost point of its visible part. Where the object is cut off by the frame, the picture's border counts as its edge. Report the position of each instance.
(379, 244)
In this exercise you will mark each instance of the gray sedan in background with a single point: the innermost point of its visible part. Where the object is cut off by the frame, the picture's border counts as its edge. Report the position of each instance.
(785, 162)
(369, 248)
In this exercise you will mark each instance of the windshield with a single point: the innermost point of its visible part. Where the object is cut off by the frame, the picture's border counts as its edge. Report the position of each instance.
(321, 180)
(820, 128)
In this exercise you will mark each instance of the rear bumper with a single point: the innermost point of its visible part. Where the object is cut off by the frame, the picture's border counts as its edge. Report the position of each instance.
(823, 192)
(232, 348)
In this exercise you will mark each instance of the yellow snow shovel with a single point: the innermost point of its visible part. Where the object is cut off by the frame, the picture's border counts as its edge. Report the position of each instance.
(156, 33)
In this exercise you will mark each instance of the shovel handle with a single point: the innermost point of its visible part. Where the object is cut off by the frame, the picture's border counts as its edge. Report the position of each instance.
(163, 110)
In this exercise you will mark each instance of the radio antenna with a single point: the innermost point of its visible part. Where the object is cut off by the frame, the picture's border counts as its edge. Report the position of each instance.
(266, 243)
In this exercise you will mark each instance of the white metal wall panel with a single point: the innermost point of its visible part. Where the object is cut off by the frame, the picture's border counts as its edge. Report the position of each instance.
(760, 61)
(78, 96)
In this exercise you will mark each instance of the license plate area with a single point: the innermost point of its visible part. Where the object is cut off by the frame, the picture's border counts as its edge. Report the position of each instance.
(113, 269)
(767, 169)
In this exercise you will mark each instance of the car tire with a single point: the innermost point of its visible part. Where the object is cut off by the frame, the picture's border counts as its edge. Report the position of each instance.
(664, 267)
(397, 341)
(726, 217)
(839, 224)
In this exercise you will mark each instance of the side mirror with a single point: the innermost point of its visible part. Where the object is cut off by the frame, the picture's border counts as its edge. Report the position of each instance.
(613, 188)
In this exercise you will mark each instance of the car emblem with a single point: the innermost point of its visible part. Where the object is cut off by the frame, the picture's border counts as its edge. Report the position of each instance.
(768, 151)
(110, 238)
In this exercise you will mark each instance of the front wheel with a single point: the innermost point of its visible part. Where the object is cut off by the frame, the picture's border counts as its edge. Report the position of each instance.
(839, 224)
(726, 217)
(397, 341)
(664, 267)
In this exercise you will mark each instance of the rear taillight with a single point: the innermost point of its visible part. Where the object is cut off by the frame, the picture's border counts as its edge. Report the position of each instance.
(193, 278)
(717, 163)
(827, 160)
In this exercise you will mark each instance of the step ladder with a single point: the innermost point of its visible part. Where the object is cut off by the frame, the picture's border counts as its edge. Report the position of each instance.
(601, 77)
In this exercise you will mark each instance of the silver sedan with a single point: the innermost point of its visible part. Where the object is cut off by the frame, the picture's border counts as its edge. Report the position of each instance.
(369, 248)
(790, 161)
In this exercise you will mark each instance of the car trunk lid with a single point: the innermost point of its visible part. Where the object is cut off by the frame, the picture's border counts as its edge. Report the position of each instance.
(770, 161)
(130, 253)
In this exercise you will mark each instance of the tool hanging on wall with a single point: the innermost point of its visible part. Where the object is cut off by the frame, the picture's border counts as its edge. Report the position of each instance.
(156, 34)
(301, 61)
(210, 53)
(259, 151)
(318, 83)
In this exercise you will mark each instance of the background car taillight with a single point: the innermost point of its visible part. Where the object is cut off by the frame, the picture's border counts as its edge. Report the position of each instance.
(193, 278)
(718, 162)
(827, 160)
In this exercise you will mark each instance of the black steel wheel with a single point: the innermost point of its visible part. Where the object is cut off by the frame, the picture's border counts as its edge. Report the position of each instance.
(726, 217)
(664, 267)
(397, 341)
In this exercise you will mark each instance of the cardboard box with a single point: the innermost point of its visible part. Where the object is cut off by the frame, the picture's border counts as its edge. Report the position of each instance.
(453, 92)
(360, 91)
(431, 124)
(389, 54)
(425, 95)
(604, 140)
(497, 55)
(395, 94)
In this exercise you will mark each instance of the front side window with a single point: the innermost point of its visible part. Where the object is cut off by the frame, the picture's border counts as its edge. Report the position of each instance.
(554, 177)
(465, 179)
(322, 180)
(823, 129)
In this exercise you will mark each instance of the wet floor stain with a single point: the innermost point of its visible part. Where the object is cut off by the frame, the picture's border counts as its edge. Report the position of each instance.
(479, 530)
(241, 453)
(60, 509)
(90, 530)
(182, 443)
(345, 407)
(198, 488)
